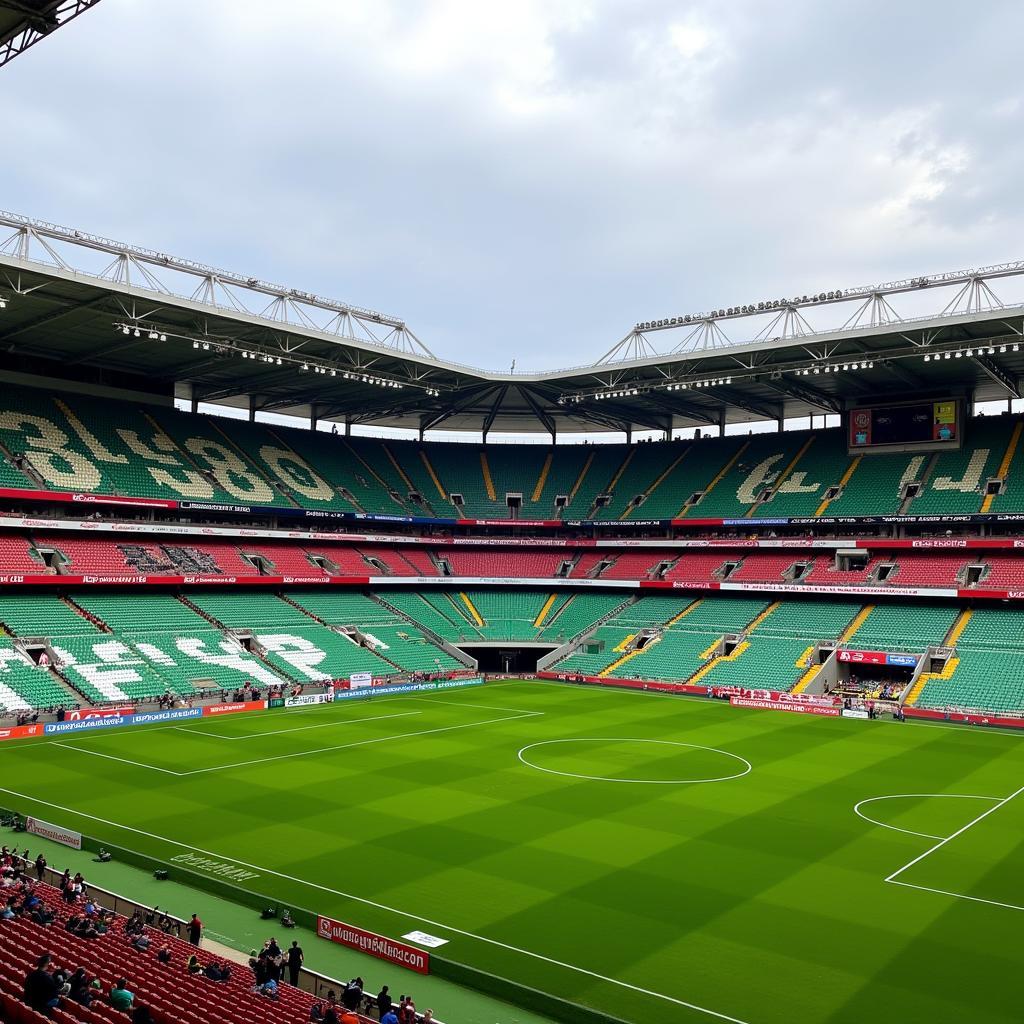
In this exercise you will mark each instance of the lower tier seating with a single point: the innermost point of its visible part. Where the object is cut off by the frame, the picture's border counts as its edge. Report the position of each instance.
(167, 989)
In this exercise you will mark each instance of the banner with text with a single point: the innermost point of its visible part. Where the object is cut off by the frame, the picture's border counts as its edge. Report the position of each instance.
(375, 945)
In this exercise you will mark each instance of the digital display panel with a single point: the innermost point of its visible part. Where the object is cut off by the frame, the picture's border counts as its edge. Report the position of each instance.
(913, 423)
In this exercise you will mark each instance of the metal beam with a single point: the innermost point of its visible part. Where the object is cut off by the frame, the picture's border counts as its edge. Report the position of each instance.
(805, 393)
(459, 405)
(493, 412)
(547, 421)
(38, 24)
(996, 372)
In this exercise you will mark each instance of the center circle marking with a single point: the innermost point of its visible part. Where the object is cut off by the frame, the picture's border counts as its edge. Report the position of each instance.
(746, 768)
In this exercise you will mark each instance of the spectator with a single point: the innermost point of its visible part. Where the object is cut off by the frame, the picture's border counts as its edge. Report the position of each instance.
(406, 1010)
(164, 956)
(428, 1016)
(195, 930)
(79, 989)
(193, 965)
(120, 996)
(389, 1016)
(41, 987)
(295, 962)
(213, 971)
(268, 989)
(353, 994)
(40, 867)
(384, 1003)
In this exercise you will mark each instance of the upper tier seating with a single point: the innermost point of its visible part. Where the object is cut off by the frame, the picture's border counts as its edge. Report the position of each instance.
(956, 483)
(89, 445)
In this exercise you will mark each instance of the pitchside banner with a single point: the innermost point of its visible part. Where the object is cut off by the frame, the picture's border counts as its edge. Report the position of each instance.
(785, 705)
(55, 833)
(305, 699)
(374, 691)
(139, 718)
(376, 945)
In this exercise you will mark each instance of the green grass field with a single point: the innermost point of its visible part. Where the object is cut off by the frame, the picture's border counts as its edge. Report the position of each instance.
(761, 898)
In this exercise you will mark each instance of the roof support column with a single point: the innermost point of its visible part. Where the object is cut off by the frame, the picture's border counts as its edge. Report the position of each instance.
(252, 408)
(629, 433)
(314, 415)
(721, 422)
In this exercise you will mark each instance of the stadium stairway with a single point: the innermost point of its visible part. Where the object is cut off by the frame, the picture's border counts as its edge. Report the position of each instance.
(545, 608)
(715, 480)
(847, 635)
(843, 481)
(646, 494)
(783, 476)
(926, 677)
(1004, 466)
(810, 670)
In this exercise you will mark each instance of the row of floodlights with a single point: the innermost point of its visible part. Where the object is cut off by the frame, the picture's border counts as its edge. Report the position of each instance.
(752, 307)
(710, 383)
(981, 350)
(304, 367)
(806, 371)
(624, 393)
(153, 335)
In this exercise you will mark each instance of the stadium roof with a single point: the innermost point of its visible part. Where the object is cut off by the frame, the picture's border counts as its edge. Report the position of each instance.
(79, 305)
(23, 23)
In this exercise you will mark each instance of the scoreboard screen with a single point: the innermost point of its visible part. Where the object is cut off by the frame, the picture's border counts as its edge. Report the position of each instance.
(931, 424)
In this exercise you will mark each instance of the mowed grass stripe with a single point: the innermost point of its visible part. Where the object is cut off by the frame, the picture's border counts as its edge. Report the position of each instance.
(761, 898)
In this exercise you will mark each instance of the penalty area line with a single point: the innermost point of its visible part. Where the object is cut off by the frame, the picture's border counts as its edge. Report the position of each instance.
(357, 743)
(298, 728)
(391, 910)
(959, 832)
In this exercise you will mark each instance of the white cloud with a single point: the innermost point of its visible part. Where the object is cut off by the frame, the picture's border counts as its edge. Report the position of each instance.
(529, 178)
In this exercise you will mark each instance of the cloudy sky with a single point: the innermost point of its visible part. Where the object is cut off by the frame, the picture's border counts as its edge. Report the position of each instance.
(527, 179)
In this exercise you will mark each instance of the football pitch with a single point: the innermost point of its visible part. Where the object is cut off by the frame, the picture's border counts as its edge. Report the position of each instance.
(652, 857)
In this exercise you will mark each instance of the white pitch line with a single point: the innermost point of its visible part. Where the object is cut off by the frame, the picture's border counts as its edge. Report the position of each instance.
(346, 746)
(958, 832)
(958, 895)
(946, 892)
(391, 910)
(485, 707)
(300, 728)
(112, 757)
(913, 796)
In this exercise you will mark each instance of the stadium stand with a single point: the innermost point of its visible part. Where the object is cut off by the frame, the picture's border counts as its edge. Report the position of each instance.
(120, 448)
(898, 627)
(167, 989)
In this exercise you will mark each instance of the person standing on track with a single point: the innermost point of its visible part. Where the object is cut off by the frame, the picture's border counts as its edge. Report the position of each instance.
(195, 930)
(295, 961)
